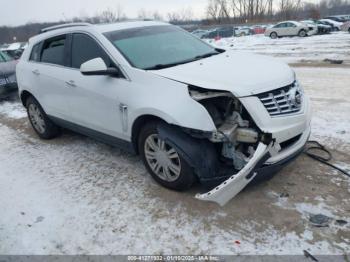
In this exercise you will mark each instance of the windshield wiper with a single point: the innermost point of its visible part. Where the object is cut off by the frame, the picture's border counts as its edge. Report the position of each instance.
(206, 55)
(162, 66)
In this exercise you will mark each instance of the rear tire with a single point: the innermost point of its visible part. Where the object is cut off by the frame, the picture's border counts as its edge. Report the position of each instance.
(40, 122)
(273, 35)
(162, 161)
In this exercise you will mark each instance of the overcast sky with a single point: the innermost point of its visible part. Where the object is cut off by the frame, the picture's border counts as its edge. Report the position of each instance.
(18, 12)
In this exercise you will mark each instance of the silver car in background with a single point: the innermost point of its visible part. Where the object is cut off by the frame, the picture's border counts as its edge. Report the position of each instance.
(288, 28)
(8, 80)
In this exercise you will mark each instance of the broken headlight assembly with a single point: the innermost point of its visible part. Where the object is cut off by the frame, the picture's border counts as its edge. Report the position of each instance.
(239, 142)
(237, 135)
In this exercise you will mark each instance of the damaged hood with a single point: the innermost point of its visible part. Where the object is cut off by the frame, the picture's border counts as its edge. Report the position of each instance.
(242, 74)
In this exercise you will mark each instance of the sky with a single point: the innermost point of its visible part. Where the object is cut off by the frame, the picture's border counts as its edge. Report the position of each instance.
(18, 12)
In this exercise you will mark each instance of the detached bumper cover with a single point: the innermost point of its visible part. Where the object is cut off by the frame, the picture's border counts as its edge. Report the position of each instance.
(235, 184)
(259, 165)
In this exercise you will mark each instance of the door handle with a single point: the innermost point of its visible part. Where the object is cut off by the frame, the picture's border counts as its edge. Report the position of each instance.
(71, 83)
(36, 72)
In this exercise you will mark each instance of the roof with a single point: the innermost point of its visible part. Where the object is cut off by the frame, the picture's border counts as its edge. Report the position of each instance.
(101, 28)
(126, 25)
(55, 27)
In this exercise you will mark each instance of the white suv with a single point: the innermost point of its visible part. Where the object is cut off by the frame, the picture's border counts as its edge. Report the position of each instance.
(191, 111)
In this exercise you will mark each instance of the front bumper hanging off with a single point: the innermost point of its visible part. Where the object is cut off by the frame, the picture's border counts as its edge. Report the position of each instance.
(235, 184)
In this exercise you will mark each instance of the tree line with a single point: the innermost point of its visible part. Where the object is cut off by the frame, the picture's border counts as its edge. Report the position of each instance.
(255, 11)
(217, 12)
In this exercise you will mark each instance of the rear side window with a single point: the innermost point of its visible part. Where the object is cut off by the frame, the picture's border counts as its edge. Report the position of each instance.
(84, 48)
(280, 25)
(53, 51)
(35, 55)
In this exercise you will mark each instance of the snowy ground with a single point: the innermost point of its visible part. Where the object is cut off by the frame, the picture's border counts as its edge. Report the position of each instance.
(73, 195)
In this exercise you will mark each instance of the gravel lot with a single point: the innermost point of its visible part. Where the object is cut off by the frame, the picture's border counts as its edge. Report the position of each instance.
(74, 195)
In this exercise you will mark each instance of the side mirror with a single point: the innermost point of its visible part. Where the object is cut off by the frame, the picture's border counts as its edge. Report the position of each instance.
(97, 67)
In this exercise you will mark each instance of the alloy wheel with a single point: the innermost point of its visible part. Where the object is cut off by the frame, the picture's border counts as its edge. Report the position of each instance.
(162, 158)
(36, 118)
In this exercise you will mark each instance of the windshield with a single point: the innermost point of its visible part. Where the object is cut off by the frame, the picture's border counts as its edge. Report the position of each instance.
(4, 57)
(157, 47)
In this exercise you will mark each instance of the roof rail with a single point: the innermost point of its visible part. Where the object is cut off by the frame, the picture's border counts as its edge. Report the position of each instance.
(51, 28)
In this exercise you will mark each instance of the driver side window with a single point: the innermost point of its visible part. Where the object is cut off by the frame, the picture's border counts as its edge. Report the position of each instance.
(85, 48)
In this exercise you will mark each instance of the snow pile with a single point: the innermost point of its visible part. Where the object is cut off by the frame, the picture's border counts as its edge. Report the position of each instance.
(12, 110)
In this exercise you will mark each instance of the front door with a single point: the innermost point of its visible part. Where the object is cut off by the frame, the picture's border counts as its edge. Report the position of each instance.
(94, 101)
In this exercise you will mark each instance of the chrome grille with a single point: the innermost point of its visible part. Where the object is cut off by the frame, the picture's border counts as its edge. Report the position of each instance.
(283, 101)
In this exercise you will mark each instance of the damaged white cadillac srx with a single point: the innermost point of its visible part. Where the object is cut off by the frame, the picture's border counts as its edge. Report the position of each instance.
(192, 112)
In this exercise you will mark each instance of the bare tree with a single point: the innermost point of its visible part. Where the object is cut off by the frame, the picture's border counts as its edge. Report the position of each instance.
(213, 10)
(154, 15)
(142, 14)
(157, 16)
(108, 16)
(182, 15)
(288, 8)
(120, 15)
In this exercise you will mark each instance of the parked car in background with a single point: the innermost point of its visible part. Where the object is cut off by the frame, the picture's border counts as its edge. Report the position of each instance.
(321, 28)
(221, 32)
(192, 112)
(14, 50)
(346, 27)
(199, 33)
(242, 31)
(313, 28)
(339, 18)
(336, 25)
(258, 29)
(288, 28)
(8, 80)
(326, 23)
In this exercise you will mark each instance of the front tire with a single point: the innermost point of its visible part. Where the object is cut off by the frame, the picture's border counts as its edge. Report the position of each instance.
(302, 33)
(40, 122)
(162, 161)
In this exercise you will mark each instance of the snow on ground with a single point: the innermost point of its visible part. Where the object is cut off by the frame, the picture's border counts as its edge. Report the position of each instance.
(73, 195)
(293, 49)
(84, 197)
(329, 91)
(12, 110)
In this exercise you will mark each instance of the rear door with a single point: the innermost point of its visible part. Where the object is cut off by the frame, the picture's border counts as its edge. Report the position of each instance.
(49, 70)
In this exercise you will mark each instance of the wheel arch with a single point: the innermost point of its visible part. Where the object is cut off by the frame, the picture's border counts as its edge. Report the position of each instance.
(24, 95)
(137, 125)
(273, 32)
(302, 30)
